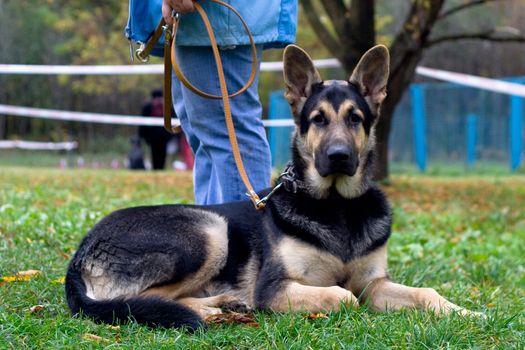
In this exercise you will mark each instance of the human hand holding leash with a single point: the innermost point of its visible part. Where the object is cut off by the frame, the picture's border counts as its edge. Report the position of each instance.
(179, 6)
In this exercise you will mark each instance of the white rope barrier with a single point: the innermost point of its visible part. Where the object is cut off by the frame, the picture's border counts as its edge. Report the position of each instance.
(80, 116)
(118, 119)
(494, 85)
(33, 145)
(128, 69)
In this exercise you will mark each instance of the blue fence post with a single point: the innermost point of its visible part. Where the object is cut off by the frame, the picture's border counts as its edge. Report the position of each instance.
(472, 121)
(418, 115)
(279, 137)
(515, 130)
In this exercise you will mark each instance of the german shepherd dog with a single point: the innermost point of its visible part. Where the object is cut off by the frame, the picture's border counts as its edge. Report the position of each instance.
(319, 243)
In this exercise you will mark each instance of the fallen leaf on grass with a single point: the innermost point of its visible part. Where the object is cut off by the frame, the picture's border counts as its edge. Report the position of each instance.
(93, 337)
(455, 239)
(232, 318)
(21, 276)
(316, 316)
(60, 280)
(36, 308)
(65, 255)
(29, 273)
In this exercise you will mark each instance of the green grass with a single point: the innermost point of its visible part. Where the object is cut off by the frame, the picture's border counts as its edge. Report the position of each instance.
(43, 159)
(463, 236)
(100, 157)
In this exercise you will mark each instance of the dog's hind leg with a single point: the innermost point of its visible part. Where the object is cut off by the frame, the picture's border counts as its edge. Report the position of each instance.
(382, 295)
(214, 304)
(205, 306)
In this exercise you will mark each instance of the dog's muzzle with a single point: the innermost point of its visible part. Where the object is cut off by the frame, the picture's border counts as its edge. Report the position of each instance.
(337, 159)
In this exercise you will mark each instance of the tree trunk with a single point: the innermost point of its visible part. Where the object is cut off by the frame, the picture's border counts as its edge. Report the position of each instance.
(399, 82)
(382, 133)
(406, 52)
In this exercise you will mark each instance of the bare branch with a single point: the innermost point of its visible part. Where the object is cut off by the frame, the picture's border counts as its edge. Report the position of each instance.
(463, 7)
(337, 11)
(361, 21)
(488, 35)
(320, 29)
(411, 39)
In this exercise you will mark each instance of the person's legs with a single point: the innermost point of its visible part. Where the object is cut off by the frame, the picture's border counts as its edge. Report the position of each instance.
(186, 152)
(204, 164)
(158, 155)
(215, 173)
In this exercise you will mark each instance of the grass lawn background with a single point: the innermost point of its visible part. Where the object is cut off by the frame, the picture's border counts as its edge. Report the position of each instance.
(464, 237)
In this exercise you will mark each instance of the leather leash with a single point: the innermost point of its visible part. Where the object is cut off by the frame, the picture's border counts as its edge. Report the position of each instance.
(170, 60)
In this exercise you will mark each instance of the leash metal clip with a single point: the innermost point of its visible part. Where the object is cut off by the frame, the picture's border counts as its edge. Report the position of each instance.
(167, 29)
(287, 179)
(261, 203)
(139, 53)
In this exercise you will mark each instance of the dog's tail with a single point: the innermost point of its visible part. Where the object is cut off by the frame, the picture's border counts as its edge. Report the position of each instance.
(151, 311)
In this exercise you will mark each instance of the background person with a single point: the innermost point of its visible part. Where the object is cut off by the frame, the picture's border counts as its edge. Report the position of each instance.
(155, 136)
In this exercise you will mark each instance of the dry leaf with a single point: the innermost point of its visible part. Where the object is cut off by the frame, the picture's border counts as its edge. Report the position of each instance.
(21, 276)
(93, 337)
(232, 318)
(29, 273)
(36, 308)
(455, 239)
(60, 280)
(316, 316)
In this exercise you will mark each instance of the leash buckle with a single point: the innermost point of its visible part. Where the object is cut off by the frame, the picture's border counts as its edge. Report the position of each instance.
(261, 203)
(139, 53)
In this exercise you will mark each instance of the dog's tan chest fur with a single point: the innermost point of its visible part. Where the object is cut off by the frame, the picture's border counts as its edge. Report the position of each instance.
(309, 265)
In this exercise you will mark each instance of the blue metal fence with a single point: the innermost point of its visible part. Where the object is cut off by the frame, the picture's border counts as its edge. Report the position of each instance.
(453, 123)
(438, 123)
(279, 137)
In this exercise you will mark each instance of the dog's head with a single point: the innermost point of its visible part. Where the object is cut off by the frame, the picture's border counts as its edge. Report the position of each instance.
(335, 120)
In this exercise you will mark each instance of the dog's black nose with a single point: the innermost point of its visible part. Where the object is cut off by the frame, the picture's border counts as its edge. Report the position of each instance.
(338, 153)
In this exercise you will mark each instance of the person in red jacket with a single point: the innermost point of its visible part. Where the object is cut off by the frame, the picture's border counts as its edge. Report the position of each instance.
(155, 136)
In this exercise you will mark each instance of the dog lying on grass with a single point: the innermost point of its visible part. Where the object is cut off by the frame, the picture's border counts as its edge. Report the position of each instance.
(320, 241)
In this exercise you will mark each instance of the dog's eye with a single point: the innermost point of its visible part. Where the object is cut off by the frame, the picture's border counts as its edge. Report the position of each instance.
(320, 119)
(355, 119)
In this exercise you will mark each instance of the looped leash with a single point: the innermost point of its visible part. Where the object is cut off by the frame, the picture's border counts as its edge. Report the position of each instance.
(170, 59)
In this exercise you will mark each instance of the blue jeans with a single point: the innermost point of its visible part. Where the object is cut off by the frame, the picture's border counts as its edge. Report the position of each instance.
(215, 175)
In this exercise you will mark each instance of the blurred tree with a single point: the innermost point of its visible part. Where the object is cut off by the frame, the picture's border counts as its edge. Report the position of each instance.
(350, 27)
(68, 32)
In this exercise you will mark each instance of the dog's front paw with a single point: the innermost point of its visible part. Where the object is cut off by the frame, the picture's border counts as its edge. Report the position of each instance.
(336, 295)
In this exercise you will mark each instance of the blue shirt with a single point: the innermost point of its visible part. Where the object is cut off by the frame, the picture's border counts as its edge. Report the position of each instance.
(273, 23)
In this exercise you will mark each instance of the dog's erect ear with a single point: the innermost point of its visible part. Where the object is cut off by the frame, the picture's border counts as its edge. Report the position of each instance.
(299, 77)
(371, 76)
